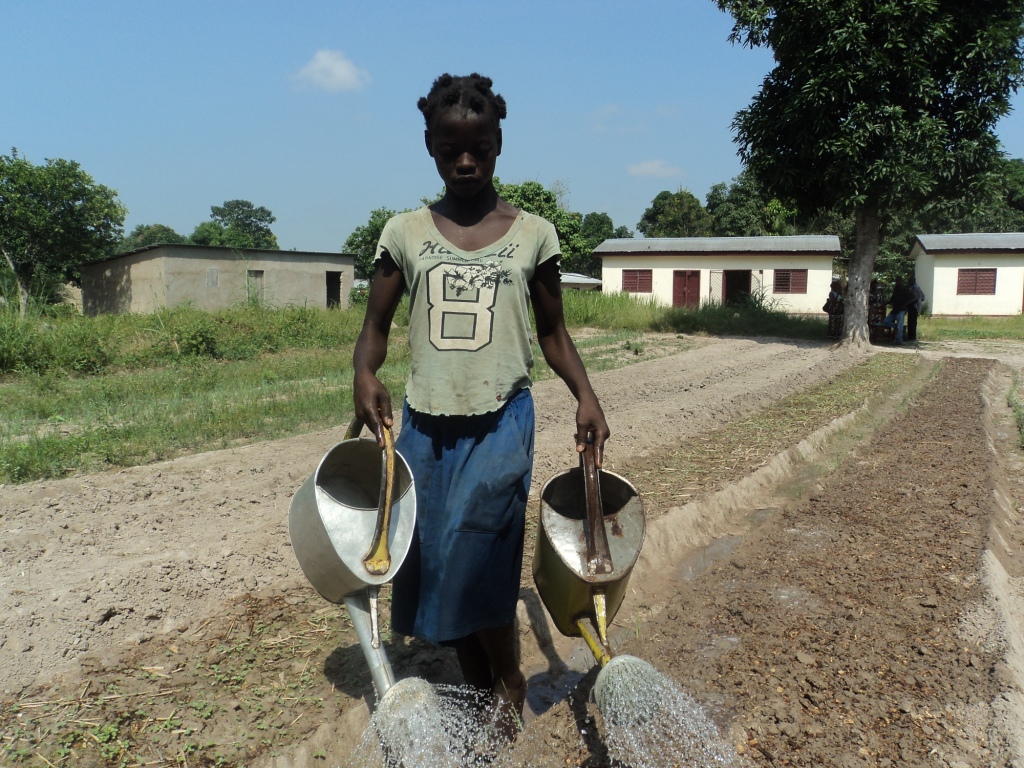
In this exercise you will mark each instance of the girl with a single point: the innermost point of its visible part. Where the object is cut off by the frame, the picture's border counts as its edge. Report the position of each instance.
(470, 262)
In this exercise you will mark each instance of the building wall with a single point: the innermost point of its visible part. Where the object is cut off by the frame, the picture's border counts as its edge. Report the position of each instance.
(761, 265)
(131, 283)
(924, 273)
(211, 278)
(943, 298)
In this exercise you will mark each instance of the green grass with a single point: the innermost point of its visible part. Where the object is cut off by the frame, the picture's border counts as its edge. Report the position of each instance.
(968, 328)
(758, 316)
(53, 426)
(82, 394)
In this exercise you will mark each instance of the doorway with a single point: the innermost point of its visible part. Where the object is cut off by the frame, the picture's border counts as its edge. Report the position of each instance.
(736, 286)
(333, 289)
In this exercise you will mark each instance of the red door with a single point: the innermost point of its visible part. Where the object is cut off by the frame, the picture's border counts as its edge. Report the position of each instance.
(686, 288)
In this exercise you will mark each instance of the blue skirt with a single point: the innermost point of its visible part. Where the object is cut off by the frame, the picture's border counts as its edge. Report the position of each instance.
(472, 478)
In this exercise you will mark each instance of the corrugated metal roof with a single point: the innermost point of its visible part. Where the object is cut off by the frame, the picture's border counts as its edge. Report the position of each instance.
(174, 246)
(769, 244)
(577, 278)
(973, 241)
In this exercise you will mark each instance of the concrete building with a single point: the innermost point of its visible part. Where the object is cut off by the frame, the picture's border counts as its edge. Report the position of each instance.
(793, 273)
(213, 277)
(971, 274)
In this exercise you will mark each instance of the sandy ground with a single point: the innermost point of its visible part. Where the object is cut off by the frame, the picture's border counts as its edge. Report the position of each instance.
(100, 560)
(898, 574)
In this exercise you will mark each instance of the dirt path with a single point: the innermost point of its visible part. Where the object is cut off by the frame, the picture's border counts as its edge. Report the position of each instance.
(821, 629)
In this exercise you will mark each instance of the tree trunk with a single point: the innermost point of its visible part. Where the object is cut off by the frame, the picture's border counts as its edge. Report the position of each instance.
(862, 263)
(22, 290)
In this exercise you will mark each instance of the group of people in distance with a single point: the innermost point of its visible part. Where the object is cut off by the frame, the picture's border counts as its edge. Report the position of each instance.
(906, 301)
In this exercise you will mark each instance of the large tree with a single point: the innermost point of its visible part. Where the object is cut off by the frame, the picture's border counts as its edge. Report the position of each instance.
(876, 106)
(53, 217)
(674, 214)
(237, 224)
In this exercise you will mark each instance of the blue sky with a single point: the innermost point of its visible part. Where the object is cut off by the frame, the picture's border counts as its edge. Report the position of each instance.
(309, 108)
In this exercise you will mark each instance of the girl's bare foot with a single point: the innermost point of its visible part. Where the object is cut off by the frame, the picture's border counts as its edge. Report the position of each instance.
(509, 701)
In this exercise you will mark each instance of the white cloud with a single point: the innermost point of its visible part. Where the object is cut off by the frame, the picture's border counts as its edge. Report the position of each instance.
(654, 168)
(332, 71)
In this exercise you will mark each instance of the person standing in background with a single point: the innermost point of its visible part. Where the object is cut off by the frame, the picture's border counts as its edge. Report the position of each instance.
(901, 299)
(914, 309)
(834, 308)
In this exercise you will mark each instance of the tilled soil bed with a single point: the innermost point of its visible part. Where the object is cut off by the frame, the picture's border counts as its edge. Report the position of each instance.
(854, 628)
(862, 608)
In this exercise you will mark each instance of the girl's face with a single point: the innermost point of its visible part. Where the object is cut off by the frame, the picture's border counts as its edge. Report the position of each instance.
(465, 146)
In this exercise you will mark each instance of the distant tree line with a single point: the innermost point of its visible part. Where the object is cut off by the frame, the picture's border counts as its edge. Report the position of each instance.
(236, 224)
(55, 217)
(742, 208)
(578, 234)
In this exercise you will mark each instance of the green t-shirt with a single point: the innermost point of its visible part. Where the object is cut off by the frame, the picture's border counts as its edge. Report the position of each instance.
(469, 324)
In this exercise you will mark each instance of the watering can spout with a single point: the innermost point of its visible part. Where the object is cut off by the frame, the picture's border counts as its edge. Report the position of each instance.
(363, 618)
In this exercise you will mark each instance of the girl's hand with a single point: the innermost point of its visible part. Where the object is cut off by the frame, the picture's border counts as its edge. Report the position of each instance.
(590, 420)
(372, 404)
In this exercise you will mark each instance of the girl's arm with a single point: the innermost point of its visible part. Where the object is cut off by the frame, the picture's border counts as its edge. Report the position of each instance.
(369, 396)
(562, 356)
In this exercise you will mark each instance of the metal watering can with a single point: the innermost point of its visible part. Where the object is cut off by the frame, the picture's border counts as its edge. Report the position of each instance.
(592, 526)
(351, 525)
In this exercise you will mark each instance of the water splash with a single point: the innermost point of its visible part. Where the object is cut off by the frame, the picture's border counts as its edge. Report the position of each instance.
(418, 725)
(651, 723)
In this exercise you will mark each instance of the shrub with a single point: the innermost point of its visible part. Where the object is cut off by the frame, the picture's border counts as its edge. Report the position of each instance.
(75, 346)
(17, 341)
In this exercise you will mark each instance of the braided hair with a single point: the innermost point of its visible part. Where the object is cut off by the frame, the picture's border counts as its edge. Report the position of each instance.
(471, 94)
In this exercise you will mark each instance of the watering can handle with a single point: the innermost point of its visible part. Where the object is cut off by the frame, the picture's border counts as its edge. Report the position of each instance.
(599, 557)
(354, 428)
(378, 558)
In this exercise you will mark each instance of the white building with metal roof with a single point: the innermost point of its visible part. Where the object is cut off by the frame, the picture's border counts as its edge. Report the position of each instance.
(976, 273)
(792, 272)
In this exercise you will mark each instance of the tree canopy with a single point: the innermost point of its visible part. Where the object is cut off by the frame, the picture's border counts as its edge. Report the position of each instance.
(875, 107)
(674, 214)
(149, 234)
(53, 217)
(237, 224)
(743, 209)
(362, 243)
(534, 197)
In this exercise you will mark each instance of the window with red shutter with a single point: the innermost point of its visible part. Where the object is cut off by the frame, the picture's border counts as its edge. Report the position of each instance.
(976, 282)
(637, 280)
(789, 281)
